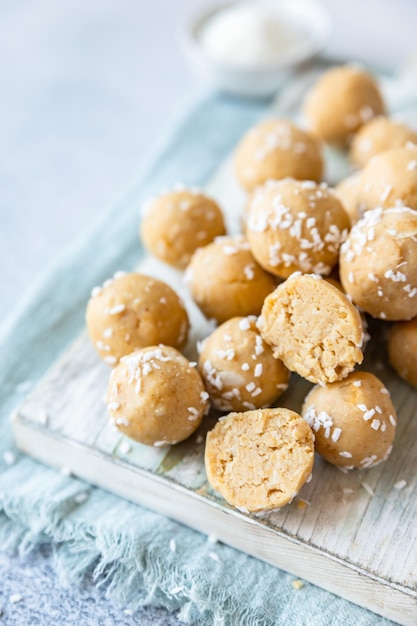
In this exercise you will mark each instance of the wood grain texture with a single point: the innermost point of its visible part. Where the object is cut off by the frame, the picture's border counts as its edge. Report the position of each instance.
(352, 533)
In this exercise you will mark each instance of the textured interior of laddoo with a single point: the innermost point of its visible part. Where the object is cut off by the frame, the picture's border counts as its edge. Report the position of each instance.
(318, 333)
(261, 462)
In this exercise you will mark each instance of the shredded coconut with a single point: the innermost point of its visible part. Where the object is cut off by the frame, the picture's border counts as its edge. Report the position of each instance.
(336, 434)
(258, 370)
(244, 324)
(118, 308)
(214, 557)
(125, 447)
(81, 497)
(369, 414)
(15, 597)
(368, 488)
(9, 457)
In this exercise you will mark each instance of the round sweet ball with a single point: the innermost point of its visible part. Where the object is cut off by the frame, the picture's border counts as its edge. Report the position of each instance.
(390, 178)
(353, 420)
(348, 193)
(133, 311)
(402, 350)
(342, 100)
(156, 397)
(239, 369)
(313, 328)
(296, 226)
(277, 149)
(259, 460)
(225, 280)
(179, 222)
(378, 263)
(380, 134)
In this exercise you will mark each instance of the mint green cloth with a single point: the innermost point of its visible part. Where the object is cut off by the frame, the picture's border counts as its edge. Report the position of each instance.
(128, 547)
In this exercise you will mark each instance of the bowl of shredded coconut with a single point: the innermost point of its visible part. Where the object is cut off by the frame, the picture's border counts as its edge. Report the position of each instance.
(247, 48)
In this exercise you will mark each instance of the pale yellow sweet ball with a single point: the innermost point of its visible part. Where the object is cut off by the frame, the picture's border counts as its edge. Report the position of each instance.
(347, 190)
(276, 149)
(156, 397)
(342, 100)
(353, 420)
(238, 367)
(296, 226)
(402, 350)
(179, 222)
(388, 178)
(378, 263)
(380, 134)
(132, 311)
(259, 460)
(226, 281)
(313, 328)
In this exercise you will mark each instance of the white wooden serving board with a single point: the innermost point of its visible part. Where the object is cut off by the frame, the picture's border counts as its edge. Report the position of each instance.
(354, 534)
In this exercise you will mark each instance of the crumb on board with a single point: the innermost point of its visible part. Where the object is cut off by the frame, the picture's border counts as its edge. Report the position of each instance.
(125, 447)
(297, 584)
(368, 488)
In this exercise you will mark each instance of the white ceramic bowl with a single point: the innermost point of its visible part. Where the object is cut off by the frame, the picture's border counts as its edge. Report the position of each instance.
(257, 80)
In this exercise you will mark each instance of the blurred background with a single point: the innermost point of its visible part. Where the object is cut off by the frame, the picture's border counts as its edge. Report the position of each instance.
(88, 87)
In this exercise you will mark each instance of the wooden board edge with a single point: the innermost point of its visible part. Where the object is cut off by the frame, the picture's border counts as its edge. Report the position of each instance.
(231, 527)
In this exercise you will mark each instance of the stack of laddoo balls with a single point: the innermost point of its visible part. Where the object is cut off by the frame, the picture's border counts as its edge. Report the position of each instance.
(288, 294)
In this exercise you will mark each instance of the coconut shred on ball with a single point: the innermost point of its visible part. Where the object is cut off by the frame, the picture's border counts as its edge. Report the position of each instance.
(378, 263)
(296, 226)
(341, 101)
(277, 149)
(225, 280)
(156, 396)
(353, 420)
(259, 460)
(133, 311)
(239, 369)
(178, 222)
(313, 328)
